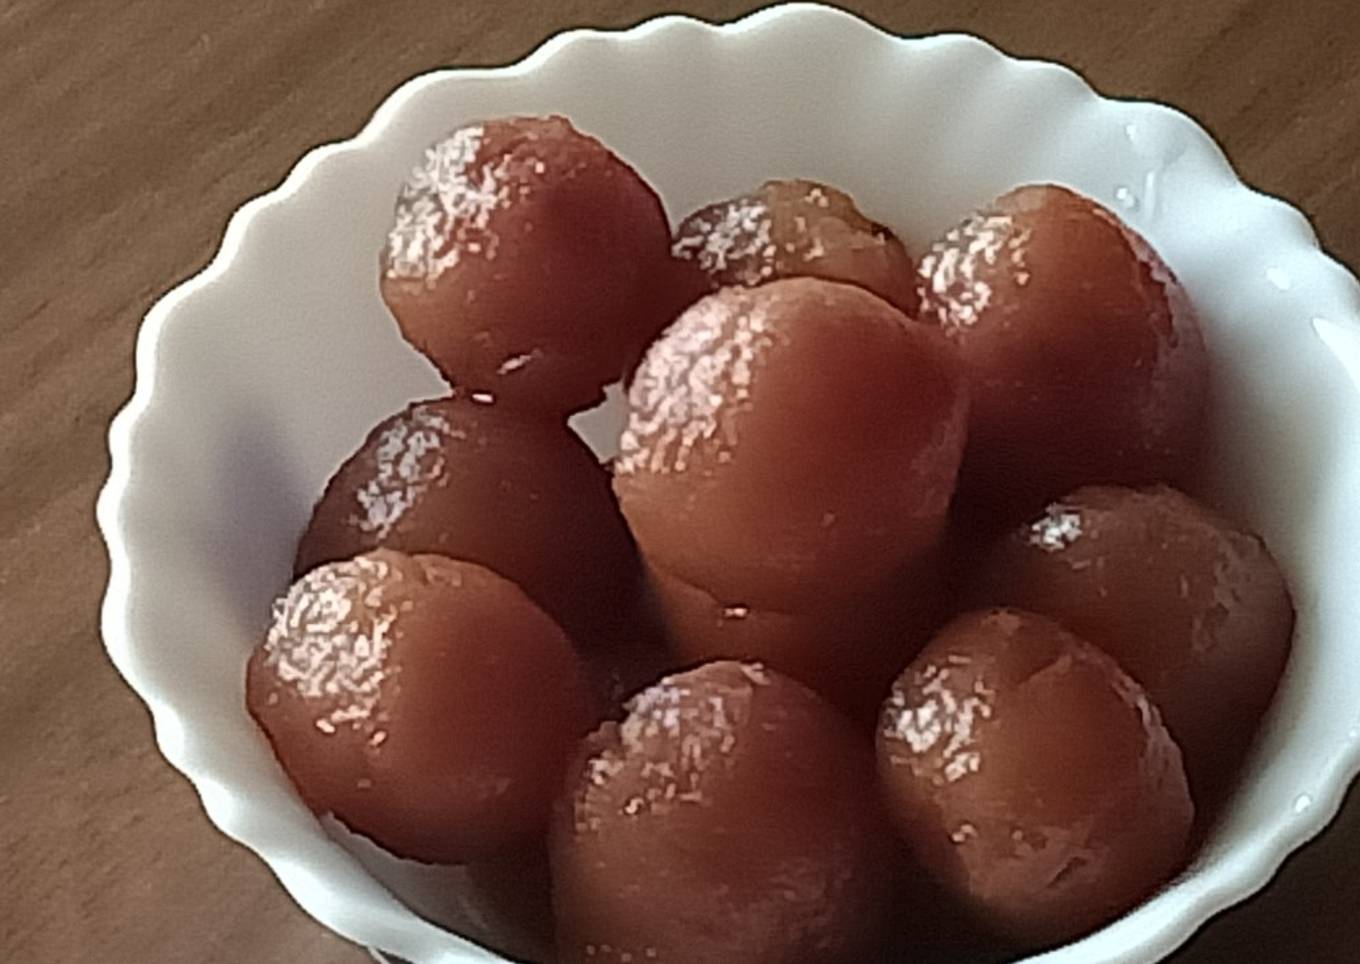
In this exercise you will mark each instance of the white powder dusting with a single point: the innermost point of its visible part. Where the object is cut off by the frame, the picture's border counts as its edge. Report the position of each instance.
(670, 739)
(1058, 529)
(733, 241)
(600, 769)
(444, 210)
(408, 459)
(940, 719)
(815, 250)
(328, 645)
(691, 382)
(961, 764)
(655, 711)
(957, 267)
(963, 833)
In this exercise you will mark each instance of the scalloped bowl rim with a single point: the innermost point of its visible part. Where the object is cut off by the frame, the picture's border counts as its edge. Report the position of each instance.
(1235, 879)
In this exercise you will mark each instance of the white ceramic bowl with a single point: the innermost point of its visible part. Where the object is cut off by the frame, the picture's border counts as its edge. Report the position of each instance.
(255, 378)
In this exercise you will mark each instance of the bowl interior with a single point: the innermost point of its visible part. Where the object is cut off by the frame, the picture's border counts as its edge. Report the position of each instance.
(257, 380)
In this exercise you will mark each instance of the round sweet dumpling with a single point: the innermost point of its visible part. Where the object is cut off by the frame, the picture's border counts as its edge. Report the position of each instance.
(729, 817)
(1085, 358)
(847, 651)
(428, 704)
(524, 261)
(790, 229)
(522, 496)
(793, 441)
(1032, 777)
(1193, 607)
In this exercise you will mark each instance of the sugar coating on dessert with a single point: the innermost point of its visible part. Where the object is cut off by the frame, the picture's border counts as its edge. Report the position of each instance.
(692, 380)
(408, 459)
(444, 209)
(330, 638)
(1059, 528)
(733, 239)
(816, 194)
(775, 231)
(939, 719)
(956, 268)
(670, 741)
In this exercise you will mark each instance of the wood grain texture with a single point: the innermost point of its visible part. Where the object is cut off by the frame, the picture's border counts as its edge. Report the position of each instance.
(129, 132)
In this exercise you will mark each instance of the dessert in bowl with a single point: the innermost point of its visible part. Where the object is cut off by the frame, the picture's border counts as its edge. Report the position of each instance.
(259, 378)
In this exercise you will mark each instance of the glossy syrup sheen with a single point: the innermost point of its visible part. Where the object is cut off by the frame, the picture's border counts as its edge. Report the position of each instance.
(478, 481)
(1032, 777)
(428, 704)
(794, 229)
(1190, 605)
(1084, 356)
(724, 819)
(523, 260)
(717, 475)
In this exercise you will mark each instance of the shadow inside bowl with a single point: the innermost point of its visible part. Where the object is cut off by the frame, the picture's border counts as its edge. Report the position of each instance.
(502, 905)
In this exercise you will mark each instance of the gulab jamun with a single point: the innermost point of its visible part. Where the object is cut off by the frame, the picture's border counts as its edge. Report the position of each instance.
(729, 817)
(1084, 355)
(797, 438)
(427, 703)
(522, 496)
(792, 229)
(1032, 777)
(1191, 606)
(523, 261)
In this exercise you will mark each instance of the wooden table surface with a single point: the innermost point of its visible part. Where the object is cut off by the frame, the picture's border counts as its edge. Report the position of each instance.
(130, 131)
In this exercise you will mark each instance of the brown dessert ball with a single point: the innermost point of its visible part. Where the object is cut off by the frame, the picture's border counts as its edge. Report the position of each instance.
(427, 703)
(1191, 606)
(1032, 777)
(522, 496)
(1085, 358)
(792, 229)
(523, 261)
(729, 817)
(793, 440)
(848, 651)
